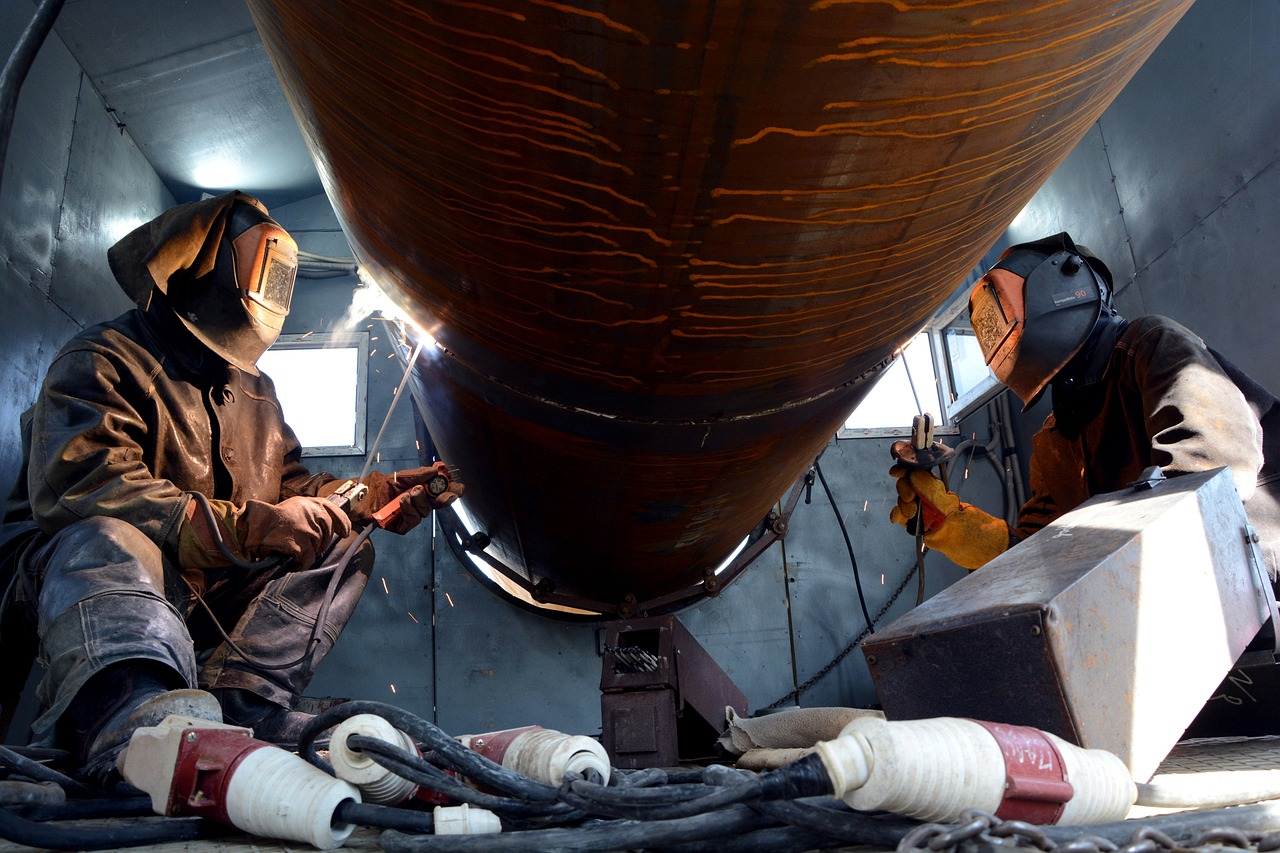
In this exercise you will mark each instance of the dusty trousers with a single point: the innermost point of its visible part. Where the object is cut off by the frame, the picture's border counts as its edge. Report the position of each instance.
(105, 593)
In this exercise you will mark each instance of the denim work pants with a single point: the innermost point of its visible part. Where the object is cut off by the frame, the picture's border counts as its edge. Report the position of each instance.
(106, 594)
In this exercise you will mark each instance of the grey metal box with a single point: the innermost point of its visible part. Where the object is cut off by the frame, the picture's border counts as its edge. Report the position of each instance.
(1110, 627)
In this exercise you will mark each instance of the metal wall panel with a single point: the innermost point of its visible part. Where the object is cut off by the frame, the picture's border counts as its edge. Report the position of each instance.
(110, 190)
(1198, 122)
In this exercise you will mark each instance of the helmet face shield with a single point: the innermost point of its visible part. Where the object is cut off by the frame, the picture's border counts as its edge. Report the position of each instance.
(265, 261)
(995, 309)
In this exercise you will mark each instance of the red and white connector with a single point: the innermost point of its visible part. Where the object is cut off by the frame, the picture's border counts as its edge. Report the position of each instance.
(194, 767)
(937, 768)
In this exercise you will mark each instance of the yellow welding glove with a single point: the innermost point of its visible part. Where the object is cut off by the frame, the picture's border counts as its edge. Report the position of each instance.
(963, 533)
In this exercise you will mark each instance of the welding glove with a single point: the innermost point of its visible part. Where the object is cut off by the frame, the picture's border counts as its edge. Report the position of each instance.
(409, 488)
(963, 533)
(298, 528)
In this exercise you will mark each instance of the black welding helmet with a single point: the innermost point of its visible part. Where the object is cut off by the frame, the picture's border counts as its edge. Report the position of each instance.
(1034, 310)
(238, 308)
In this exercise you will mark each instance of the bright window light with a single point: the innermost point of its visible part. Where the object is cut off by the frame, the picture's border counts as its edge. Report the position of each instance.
(908, 387)
(321, 380)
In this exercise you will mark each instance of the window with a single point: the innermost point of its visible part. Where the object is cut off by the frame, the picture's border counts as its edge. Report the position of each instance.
(906, 388)
(322, 379)
(941, 371)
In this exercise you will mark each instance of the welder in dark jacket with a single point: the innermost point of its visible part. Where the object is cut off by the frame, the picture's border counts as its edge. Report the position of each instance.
(1126, 395)
(163, 501)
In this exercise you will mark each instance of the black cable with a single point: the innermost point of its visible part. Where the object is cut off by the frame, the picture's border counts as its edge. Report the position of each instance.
(857, 579)
(457, 757)
(230, 556)
(41, 773)
(89, 809)
(590, 838)
(422, 773)
(19, 64)
(383, 817)
(114, 837)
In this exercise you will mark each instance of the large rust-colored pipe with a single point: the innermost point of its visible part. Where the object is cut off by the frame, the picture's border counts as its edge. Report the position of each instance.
(662, 244)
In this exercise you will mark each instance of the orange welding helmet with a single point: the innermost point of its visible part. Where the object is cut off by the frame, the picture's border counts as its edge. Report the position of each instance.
(238, 309)
(1035, 308)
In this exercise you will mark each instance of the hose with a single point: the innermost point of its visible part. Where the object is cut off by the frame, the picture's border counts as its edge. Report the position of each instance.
(19, 63)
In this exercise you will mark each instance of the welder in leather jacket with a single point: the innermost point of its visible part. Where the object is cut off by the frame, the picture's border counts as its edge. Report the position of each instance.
(1126, 395)
(161, 484)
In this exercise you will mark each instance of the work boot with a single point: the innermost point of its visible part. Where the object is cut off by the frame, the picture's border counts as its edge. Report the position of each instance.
(270, 722)
(118, 700)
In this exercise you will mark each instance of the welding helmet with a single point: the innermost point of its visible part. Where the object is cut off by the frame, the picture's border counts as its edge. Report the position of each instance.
(1035, 308)
(238, 308)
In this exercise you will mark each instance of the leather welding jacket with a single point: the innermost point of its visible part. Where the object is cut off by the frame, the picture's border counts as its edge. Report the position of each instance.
(133, 417)
(1163, 399)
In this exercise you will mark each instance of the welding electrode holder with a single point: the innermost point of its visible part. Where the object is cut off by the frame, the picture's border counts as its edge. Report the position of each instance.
(436, 485)
(922, 453)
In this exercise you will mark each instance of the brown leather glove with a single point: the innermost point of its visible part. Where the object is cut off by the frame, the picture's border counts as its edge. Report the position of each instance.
(411, 490)
(963, 533)
(300, 528)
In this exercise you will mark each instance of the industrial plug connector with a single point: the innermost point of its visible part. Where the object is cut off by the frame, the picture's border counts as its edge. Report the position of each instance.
(190, 766)
(935, 769)
(377, 784)
(465, 820)
(542, 754)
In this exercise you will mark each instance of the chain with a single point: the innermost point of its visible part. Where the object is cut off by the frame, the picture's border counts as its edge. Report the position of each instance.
(866, 632)
(980, 828)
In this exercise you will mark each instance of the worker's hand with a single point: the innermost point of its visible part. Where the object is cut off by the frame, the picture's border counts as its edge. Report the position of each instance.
(963, 533)
(412, 491)
(300, 528)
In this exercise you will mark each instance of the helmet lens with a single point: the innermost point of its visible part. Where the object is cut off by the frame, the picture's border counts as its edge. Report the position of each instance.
(266, 261)
(992, 326)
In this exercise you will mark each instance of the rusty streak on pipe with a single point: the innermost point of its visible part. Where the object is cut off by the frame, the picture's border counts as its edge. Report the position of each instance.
(664, 244)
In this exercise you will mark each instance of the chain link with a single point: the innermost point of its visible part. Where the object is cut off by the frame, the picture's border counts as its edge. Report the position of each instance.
(866, 632)
(976, 827)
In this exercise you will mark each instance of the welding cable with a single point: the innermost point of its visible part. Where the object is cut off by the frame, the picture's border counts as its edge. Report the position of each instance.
(448, 751)
(14, 792)
(114, 807)
(383, 817)
(99, 837)
(722, 786)
(589, 838)
(844, 531)
(35, 770)
(424, 774)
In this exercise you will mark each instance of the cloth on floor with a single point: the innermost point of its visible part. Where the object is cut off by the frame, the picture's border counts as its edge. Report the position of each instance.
(796, 728)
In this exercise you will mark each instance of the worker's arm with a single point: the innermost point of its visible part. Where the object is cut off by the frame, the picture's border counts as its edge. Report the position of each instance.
(1196, 417)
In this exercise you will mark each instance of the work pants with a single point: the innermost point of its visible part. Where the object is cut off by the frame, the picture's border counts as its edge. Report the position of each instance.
(106, 594)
